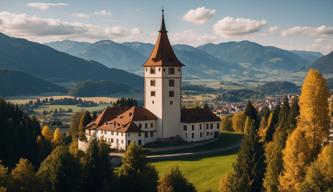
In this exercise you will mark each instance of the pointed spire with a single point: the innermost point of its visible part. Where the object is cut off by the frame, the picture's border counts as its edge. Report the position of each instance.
(162, 53)
(163, 28)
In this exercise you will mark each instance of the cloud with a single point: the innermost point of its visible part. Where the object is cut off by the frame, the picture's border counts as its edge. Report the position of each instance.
(274, 29)
(45, 6)
(321, 30)
(191, 37)
(46, 29)
(230, 26)
(199, 15)
(102, 13)
(80, 15)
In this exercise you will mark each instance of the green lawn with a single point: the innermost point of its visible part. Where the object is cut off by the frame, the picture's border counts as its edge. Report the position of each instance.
(204, 173)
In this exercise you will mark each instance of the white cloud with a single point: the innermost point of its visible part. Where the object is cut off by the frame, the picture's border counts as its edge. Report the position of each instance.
(102, 13)
(191, 37)
(45, 6)
(199, 15)
(80, 15)
(274, 29)
(321, 30)
(47, 29)
(230, 26)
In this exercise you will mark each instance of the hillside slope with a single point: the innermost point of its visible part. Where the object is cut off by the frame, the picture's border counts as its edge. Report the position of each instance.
(49, 64)
(324, 64)
(14, 83)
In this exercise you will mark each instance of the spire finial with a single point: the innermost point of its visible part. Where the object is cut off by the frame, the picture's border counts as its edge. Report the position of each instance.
(163, 28)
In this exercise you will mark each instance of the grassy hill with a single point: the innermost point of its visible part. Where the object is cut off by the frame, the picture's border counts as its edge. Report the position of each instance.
(98, 88)
(14, 83)
(49, 64)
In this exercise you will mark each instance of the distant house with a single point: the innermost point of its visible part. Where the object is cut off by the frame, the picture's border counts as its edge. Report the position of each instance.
(161, 118)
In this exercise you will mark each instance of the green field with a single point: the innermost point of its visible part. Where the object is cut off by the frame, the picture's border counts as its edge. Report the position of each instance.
(204, 173)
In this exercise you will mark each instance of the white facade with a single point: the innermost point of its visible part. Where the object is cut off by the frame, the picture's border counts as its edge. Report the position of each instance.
(200, 131)
(163, 97)
(120, 140)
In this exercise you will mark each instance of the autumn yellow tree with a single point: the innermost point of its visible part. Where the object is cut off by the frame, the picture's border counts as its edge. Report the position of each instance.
(225, 183)
(47, 133)
(314, 110)
(319, 176)
(238, 121)
(295, 160)
(57, 136)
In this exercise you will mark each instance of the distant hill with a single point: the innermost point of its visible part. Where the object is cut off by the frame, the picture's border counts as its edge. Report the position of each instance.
(324, 64)
(14, 83)
(49, 64)
(309, 56)
(109, 53)
(329, 82)
(99, 88)
(278, 87)
(256, 56)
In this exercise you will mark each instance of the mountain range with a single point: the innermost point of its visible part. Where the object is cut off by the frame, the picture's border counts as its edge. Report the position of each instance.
(49, 64)
(209, 61)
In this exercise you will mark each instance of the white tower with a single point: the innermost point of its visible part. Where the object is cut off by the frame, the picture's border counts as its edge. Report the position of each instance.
(162, 74)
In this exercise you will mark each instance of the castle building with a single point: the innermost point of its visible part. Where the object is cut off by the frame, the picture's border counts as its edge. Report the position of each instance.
(162, 117)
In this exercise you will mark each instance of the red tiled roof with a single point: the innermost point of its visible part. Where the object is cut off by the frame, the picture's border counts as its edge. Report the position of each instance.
(108, 114)
(196, 115)
(123, 122)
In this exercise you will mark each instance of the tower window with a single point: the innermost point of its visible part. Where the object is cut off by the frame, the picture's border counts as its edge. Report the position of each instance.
(171, 70)
(171, 93)
(171, 83)
(152, 83)
(152, 70)
(159, 69)
(152, 93)
(171, 102)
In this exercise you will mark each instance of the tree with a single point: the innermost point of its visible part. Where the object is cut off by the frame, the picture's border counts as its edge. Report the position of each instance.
(314, 113)
(251, 112)
(293, 114)
(4, 178)
(75, 124)
(295, 160)
(47, 133)
(23, 176)
(248, 125)
(135, 174)
(60, 171)
(225, 183)
(272, 123)
(19, 135)
(238, 122)
(249, 166)
(273, 151)
(57, 136)
(175, 182)
(98, 172)
(84, 120)
(226, 124)
(319, 176)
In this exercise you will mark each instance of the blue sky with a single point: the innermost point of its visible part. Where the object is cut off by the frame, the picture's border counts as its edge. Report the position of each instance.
(289, 24)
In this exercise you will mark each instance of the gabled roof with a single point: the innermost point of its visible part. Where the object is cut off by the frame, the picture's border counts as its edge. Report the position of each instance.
(197, 115)
(124, 121)
(108, 114)
(162, 54)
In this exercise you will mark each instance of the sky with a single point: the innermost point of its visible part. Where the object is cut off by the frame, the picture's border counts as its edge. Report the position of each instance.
(288, 24)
